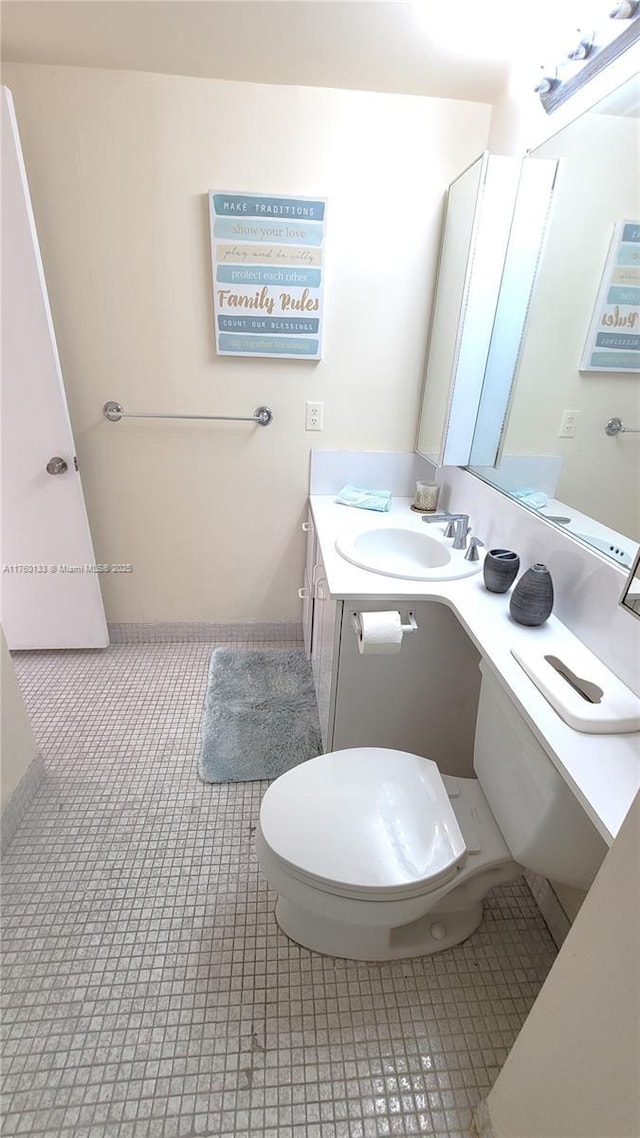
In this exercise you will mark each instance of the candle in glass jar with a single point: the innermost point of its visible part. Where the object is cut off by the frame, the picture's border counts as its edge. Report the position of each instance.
(427, 495)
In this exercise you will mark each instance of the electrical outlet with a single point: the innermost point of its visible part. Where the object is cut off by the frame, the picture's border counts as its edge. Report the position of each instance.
(568, 424)
(314, 413)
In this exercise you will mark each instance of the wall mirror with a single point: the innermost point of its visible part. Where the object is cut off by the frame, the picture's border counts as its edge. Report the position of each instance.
(553, 451)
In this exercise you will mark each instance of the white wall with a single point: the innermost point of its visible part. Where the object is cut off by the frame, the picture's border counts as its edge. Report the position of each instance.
(119, 165)
(573, 1070)
(18, 747)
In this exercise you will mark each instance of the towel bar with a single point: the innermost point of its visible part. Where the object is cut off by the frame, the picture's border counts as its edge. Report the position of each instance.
(114, 411)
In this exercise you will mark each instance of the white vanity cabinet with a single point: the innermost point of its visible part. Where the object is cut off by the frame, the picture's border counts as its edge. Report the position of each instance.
(319, 613)
(422, 699)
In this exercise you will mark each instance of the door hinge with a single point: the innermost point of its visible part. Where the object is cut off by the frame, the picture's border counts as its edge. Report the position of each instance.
(75, 462)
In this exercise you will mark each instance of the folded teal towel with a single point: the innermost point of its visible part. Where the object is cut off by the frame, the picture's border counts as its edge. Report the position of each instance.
(535, 498)
(365, 499)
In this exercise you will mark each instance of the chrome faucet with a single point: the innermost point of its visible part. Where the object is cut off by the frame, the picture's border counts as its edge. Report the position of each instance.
(457, 527)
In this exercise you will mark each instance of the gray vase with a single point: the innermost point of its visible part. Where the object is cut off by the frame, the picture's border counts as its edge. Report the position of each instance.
(500, 569)
(532, 599)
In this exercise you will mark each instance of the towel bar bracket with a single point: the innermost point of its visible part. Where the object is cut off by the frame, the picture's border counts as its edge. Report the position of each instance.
(615, 427)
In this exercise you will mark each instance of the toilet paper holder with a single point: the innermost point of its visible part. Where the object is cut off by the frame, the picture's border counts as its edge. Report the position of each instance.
(411, 626)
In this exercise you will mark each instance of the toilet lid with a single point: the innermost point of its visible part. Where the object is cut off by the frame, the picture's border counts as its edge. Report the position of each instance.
(367, 818)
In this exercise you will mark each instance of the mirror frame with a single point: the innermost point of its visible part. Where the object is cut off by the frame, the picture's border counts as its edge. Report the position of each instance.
(634, 575)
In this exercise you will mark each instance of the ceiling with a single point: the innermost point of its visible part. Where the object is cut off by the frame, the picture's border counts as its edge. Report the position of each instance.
(459, 49)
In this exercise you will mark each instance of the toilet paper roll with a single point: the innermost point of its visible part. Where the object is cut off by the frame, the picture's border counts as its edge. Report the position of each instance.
(381, 633)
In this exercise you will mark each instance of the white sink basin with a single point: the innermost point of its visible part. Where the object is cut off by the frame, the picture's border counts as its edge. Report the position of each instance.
(406, 553)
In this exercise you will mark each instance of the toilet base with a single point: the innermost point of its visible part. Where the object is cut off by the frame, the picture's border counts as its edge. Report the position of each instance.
(439, 928)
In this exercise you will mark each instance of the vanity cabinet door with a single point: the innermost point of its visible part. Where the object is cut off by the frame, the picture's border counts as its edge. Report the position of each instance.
(307, 591)
(324, 656)
(306, 594)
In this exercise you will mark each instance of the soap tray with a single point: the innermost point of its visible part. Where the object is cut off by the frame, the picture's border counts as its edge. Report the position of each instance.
(581, 688)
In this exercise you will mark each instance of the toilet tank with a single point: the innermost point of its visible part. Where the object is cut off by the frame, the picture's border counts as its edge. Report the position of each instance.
(541, 820)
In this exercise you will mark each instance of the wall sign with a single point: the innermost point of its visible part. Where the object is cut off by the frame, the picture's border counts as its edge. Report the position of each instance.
(613, 341)
(268, 274)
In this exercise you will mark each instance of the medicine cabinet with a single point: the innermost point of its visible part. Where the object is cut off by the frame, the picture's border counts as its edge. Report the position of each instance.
(495, 219)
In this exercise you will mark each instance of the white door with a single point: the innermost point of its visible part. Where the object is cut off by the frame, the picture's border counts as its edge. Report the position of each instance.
(49, 588)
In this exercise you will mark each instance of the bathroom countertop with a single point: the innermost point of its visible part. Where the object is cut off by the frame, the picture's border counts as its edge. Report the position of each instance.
(602, 770)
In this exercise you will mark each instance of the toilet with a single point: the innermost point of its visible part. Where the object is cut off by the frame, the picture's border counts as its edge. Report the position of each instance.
(375, 855)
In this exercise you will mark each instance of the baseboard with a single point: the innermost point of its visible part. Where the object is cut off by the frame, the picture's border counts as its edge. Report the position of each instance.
(553, 914)
(21, 800)
(481, 1122)
(204, 632)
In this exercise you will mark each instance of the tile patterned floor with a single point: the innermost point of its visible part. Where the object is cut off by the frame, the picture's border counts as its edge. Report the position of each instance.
(148, 992)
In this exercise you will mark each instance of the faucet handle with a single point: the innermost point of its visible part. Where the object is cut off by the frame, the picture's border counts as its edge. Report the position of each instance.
(450, 530)
(472, 551)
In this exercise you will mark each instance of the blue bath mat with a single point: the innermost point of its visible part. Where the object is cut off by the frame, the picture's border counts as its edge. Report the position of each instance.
(260, 715)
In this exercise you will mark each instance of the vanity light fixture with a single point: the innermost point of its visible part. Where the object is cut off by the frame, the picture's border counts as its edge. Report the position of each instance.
(625, 10)
(582, 50)
(593, 52)
(546, 84)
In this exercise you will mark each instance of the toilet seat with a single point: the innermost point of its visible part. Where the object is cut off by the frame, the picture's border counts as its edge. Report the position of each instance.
(366, 822)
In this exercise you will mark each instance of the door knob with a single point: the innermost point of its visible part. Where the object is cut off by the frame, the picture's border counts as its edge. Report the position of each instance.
(56, 465)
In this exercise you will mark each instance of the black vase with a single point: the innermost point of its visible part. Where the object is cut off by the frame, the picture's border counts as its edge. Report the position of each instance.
(532, 599)
(500, 569)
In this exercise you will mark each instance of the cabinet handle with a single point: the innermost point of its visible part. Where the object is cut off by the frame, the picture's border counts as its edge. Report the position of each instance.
(316, 569)
(306, 526)
(320, 593)
(303, 594)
